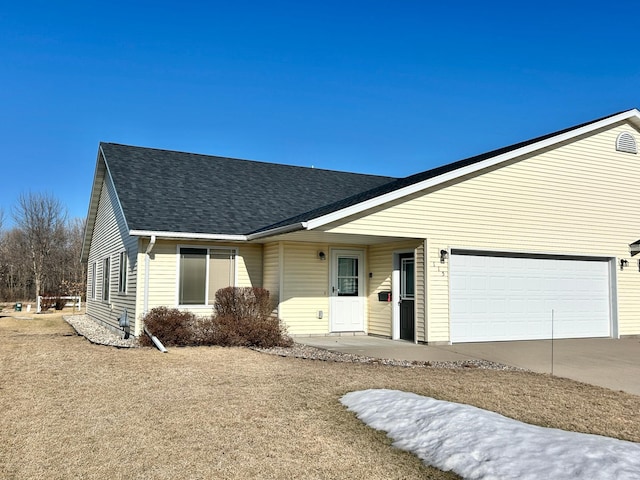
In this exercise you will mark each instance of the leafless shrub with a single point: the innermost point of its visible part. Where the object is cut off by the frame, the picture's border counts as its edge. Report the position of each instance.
(173, 327)
(243, 316)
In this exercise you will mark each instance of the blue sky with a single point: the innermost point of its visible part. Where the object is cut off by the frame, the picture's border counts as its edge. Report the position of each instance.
(382, 87)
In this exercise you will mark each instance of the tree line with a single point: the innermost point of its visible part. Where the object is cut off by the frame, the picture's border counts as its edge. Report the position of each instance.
(40, 253)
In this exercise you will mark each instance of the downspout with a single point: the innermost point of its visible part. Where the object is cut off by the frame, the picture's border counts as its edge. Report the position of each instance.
(147, 260)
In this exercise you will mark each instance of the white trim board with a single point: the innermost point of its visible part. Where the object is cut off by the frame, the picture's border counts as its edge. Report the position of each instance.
(469, 169)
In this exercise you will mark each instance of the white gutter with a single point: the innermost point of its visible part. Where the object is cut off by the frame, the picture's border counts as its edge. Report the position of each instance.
(218, 236)
(147, 259)
(277, 231)
(191, 236)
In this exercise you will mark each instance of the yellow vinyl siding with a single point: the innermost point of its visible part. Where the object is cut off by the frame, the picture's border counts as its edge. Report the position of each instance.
(579, 198)
(110, 237)
(163, 271)
(380, 265)
(271, 272)
(305, 289)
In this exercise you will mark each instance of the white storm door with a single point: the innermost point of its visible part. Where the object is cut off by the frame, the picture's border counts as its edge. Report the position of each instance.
(347, 291)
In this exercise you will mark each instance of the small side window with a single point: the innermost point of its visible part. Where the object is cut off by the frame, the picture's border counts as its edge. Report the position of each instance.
(122, 273)
(106, 274)
(94, 279)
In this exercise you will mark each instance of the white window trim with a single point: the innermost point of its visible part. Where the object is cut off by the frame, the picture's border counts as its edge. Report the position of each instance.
(94, 280)
(106, 275)
(123, 255)
(206, 285)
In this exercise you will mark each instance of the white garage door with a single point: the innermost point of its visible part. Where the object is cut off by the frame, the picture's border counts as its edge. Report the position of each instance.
(497, 298)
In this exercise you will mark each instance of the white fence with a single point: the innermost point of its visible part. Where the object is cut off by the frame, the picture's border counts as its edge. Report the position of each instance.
(70, 301)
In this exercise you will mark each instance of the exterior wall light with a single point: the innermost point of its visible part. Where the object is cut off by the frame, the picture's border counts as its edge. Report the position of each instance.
(623, 263)
(322, 256)
(443, 255)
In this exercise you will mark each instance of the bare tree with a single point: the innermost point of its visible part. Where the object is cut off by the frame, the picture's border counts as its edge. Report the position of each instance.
(15, 268)
(72, 278)
(41, 220)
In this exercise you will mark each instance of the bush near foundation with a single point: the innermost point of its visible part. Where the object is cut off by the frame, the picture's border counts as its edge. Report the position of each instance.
(173, 327)
(243, 302)
(243, 317)
(266, 332)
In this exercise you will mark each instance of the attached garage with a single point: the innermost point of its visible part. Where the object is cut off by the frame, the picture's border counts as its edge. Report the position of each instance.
(500, 296)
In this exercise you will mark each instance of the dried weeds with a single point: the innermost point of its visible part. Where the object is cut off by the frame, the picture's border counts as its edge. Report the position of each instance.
(71, 409)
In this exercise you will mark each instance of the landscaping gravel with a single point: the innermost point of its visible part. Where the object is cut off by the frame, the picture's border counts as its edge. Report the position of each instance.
(101, 335)
(305, 351)
(98, 334)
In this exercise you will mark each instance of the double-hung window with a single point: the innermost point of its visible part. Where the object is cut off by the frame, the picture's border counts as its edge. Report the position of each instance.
(106, 277)
(122, 273)
(202, 272)
(94, 280)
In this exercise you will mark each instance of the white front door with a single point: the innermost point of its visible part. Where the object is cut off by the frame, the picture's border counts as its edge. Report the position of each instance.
(347, 291)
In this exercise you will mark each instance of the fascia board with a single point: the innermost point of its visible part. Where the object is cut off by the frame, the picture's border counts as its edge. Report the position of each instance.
(98, 178)
(490, 162)
(278, 231)
(188, 235)
(113, 185)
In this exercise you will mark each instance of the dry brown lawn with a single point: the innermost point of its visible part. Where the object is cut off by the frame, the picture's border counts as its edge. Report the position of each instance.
(70, 409)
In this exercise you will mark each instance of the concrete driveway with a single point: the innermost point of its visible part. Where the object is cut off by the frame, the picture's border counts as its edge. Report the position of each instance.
(606, 362)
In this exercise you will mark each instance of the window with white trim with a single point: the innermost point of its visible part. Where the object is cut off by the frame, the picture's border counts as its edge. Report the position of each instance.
(106, 274)
(122, 272)
(94, 279)
(202, 272)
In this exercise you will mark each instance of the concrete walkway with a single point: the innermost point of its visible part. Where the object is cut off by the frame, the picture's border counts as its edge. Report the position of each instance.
(606, 362)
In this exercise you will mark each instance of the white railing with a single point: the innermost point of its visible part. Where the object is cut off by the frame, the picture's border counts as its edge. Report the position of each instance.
(75, 301)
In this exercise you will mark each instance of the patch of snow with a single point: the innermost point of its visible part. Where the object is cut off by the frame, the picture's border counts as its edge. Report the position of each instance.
(478, 444)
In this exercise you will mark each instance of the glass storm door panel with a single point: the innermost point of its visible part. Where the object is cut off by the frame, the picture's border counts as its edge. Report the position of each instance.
(347, 281)
(346, 291)
(407, 297)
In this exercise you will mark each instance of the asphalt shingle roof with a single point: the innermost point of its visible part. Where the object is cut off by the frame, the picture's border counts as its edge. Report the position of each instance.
(420, 177)
(162, 190)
